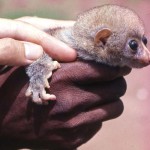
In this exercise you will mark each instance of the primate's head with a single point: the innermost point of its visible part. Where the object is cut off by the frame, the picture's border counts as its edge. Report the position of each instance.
(113, 34)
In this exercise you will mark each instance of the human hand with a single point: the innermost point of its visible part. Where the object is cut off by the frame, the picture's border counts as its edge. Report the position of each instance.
(87, 94)
(22, 43)
(45, 24)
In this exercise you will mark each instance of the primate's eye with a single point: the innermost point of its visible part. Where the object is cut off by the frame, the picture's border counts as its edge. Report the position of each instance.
(144, 39)
(133, 45)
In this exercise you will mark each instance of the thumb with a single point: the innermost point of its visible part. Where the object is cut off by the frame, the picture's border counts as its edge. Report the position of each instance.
(18, 53)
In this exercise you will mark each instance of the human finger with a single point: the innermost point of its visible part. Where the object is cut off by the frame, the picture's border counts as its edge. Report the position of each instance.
(82, 72)
(18, 53)
(46, 24)
(26, 32)
(97, 94)
(95, 114)
(76, 97)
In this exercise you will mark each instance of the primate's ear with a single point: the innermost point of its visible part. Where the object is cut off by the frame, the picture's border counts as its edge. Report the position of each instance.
(102, 36)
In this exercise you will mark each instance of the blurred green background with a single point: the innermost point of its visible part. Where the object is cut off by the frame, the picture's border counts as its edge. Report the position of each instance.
(58, 9)
(131, 131)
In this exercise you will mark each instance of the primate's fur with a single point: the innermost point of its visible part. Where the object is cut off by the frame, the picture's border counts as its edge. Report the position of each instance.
(108, 34)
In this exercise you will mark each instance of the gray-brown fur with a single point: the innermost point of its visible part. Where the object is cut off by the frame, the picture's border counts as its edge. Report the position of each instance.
(121, 25)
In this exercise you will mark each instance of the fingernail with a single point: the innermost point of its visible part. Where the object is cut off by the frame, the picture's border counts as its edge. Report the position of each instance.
(32, 51)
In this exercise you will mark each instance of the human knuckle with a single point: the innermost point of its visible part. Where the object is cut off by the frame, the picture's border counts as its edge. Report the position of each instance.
(9, 42)
(120, 109)
(7, 45)
(115, 88)
(70, 126)
(114, 72)
(123, 86)
(118, 87)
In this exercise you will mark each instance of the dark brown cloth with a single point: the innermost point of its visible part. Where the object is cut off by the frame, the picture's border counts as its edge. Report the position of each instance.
(87, 94)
